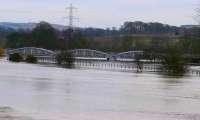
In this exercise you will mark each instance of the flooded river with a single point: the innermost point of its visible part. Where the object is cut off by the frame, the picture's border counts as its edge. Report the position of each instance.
(39, 92)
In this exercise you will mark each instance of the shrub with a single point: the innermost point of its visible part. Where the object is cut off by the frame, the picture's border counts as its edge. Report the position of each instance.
(31, 59)
(66, 59)
(15, 57)
(173, 63)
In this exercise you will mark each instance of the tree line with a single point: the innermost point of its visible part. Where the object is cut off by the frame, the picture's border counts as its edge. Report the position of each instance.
(137, 27)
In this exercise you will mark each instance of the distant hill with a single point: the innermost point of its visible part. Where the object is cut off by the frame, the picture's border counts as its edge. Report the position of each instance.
(26, 26)
(190, 26)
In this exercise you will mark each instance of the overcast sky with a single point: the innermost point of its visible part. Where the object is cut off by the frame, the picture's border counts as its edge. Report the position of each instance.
(100, 13)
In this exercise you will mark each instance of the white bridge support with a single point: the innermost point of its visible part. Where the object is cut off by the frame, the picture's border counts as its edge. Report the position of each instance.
(47, 59)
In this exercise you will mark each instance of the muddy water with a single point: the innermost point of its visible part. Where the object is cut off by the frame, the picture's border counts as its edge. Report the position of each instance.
(36, 92)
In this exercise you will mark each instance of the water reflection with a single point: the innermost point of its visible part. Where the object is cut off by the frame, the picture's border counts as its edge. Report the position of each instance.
(173, 81)
(68, 88)
(43, 85)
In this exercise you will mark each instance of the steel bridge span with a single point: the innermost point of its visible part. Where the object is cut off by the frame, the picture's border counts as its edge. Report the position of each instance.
(80, 54)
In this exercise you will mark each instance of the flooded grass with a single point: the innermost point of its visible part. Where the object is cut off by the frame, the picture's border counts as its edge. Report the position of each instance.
(7, 113)
(5, 109)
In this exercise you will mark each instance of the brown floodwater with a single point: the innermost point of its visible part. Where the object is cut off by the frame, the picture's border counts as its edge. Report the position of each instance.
(38, 92)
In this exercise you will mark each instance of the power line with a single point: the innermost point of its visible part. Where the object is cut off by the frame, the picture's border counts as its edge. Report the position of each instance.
(71, 17)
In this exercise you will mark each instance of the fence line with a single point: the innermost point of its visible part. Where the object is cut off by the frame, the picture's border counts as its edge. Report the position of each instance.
(122, 66)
